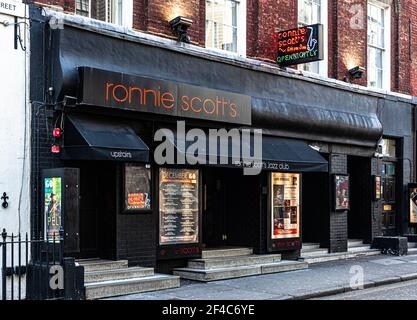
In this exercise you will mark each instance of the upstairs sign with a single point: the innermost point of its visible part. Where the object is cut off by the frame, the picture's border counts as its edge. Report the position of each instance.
(300, 45)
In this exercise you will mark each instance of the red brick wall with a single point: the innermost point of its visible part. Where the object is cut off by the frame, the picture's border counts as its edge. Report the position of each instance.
(159, 13)
(265, 17)
(347, 31)
(347, 37)
(404, 24)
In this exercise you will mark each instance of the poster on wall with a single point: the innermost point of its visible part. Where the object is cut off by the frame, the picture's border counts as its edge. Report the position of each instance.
(285, 205)
(178, 206)
(377, 187)
(137, 188)
(412, 191)
(53, 207)
(341, 192)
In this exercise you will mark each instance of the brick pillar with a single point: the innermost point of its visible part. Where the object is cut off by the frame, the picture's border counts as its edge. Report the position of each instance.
(338, 220)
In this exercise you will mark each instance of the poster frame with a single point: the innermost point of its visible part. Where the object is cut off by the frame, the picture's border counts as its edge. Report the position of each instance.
(334, 191)
(179, 250)
(125, 210)
(284, 244)
(410, 186)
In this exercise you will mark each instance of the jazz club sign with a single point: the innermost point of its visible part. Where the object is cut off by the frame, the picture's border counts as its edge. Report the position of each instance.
(300, 45)
(131, 92)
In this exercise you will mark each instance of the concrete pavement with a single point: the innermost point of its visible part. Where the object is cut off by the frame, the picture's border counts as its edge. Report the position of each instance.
(398, 291)
(319, 280)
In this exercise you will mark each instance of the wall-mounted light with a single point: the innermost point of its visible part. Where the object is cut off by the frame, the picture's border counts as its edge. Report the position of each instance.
(179, 26)
(356, 73)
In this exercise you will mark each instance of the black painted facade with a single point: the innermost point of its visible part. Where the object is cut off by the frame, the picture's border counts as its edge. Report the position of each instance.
(345, 122)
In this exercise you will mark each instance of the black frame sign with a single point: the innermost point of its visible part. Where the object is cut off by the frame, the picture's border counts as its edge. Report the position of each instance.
(412, 195)
(137, 186)
(341, 201)
(130, 92)
(300, 45)
(179, 210)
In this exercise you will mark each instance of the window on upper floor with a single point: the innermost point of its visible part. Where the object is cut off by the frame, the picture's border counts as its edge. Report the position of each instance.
(119, 12)
(313, 12)
(378, 45)
(226, 25)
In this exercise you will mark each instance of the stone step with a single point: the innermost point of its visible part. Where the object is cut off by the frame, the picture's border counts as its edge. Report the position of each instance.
(116, 274)
(309, 245)
(98, 264)
(314, 252)
(237, 261)
(111, 288)
(360, 248)
(205, 275)
(341, 256)
(355, 242)
(284, 266)
(412, 245)
(226, 252)
(412, 251)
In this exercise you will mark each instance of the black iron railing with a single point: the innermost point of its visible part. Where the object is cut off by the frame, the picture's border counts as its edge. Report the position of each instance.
(26, 265)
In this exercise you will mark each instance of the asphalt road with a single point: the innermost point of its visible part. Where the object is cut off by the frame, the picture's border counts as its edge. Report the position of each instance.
(398, 291)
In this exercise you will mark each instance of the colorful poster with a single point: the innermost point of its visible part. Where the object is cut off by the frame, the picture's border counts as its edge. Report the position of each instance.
(341, 192)
(413, 205)
(378, 188)
(178, 206)
(137, 188)
(53, 207)
(285, 205)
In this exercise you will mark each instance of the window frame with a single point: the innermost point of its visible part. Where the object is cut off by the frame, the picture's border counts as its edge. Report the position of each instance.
(324, 19)
(386, 50)
(240, 29)
(127, 13)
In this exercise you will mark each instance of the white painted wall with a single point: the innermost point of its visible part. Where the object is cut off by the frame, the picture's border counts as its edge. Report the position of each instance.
(14, 131)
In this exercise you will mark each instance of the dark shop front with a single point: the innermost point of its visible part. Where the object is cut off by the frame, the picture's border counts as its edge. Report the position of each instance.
(108, 96)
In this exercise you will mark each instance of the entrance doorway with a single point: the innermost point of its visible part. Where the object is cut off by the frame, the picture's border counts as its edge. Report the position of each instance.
(231, 208)
(359, 215)
(98, 186)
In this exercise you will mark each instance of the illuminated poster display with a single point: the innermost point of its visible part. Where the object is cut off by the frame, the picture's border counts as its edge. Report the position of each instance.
(178, 206)
(53, 207)
(377, 188)
(285, 205)
(341, 201)
(137, 188)
(412, 191)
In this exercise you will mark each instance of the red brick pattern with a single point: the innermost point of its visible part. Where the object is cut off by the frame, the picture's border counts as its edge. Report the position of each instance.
(347, 31)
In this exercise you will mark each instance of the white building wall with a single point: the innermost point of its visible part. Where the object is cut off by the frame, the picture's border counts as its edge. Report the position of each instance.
(14, 133)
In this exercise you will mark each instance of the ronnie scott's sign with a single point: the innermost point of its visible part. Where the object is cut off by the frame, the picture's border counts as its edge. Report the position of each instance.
(300, 45)
(131, 92)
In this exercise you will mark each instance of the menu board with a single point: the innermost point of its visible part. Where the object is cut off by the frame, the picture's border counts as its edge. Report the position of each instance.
(178, 206)
(341, 201)
(137, 188)
(53, 207)
(413, 204)
(285, 205)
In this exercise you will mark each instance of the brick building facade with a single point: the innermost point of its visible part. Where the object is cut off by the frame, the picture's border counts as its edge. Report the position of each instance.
(347, 30)
(344, 123)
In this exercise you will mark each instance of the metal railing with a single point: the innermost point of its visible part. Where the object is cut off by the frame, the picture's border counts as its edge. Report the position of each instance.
(19, 255)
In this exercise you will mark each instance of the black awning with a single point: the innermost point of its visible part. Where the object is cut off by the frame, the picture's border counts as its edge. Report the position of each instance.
(88, 138)
(278, 154)
(292, 155)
